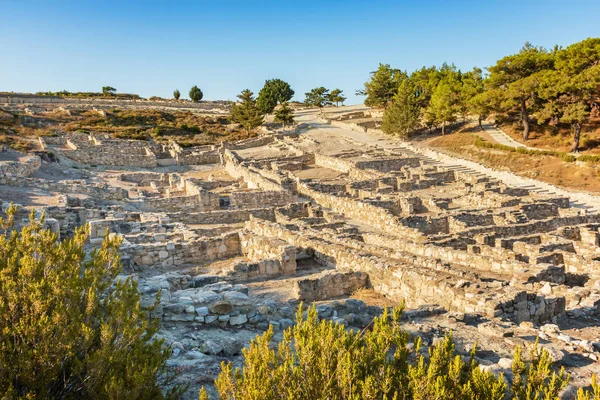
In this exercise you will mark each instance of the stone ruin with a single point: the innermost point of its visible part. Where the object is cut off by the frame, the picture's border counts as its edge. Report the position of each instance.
(235, 236)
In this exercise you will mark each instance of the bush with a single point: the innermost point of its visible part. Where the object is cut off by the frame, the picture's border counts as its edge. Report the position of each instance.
(67, 328)
(322, 360)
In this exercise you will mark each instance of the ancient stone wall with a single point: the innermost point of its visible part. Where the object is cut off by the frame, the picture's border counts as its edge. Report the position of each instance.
(11, 171)
(188, 252)
(330, 284)
(258, 248)
(257, 199)
(426, 284)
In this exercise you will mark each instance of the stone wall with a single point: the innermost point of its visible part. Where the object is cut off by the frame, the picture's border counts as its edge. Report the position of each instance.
(222, 216)
(257, 199)
(360, 210)
(330, 284)
(12, 171)
(187, 252)
(253, 178)
(259, 248)
(426, 283)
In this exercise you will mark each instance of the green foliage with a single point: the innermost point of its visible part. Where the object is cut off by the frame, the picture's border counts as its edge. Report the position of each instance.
(196, 94)
(534, 379)
(68, 328)
(176, 94)
(443, 105)
(382, 86)
(317, 97)
(583, 394)
(65, 93)
(336, 96)
(247, 112)
(517, 79)
(108, 90)
(284, 114)
(571, 90)
(322, 360)
(275, 91)
(402, 115)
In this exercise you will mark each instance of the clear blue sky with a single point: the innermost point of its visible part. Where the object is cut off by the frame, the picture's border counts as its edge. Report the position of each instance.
(152, 47)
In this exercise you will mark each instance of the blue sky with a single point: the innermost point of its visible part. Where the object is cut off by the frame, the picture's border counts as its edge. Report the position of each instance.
(152, 47)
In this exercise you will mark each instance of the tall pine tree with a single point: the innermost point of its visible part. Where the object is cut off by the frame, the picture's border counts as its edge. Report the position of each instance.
(246, 112)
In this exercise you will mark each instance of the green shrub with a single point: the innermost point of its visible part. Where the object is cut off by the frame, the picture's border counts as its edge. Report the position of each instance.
(588, 158)
(67, 329)
(321, 360)
(568, 158)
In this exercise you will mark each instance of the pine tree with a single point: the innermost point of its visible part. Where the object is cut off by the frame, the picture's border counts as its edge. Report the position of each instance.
(382, 86)
(403, 114)
(284, 114)
(246, 112)
(196, 94)
(572, 89)
(176, 94)
(275, 91)
(516, 78)
(336, 96)
(68, 328)
(317, 97)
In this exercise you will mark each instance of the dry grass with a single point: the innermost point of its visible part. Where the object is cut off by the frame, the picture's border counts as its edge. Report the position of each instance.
(559, 138)
(186, 128)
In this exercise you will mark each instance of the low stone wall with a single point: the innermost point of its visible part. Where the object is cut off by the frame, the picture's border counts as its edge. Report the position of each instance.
(259, 248)
(330, 284)
(222, 216)
(107, 157)
(256, 199)
(252, 177)
(189, 252)
(175, 204)
(360, 210)
(99, 191)
(11, 171)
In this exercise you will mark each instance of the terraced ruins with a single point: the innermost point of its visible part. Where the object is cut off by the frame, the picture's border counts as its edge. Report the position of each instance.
(235, 235)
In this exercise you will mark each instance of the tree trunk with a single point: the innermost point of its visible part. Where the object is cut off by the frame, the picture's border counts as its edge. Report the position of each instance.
(479, 122)
(577, 135)
(525, 118)
(443, 128)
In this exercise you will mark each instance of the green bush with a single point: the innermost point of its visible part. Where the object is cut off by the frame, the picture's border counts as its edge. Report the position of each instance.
(320, 360)
(68, 330)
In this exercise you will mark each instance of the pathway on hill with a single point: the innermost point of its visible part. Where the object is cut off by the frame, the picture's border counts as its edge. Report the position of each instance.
(582, 200)
(502, 138)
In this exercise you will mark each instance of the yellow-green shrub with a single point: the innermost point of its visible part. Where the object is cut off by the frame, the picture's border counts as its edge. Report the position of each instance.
(67, 329)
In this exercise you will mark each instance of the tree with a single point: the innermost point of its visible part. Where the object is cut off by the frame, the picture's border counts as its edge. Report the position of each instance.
(442, 106)
(196, 94)
(317, 97)
(573, 88)
(275, 91)
(336, 96)
(322, 360)
(247, 112)
(383, 86)
(402, 115)
(108, 90)
(284, 114)
(68, 327)
(176, 94)
(517, 79)
(474, 99)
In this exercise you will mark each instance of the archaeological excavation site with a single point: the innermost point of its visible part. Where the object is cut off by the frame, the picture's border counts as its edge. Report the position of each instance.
(236, 235)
